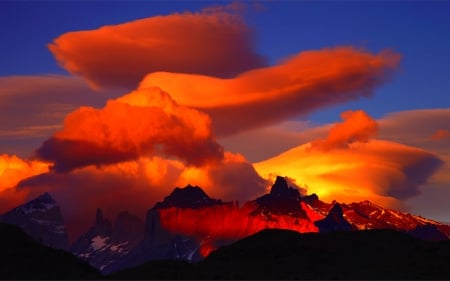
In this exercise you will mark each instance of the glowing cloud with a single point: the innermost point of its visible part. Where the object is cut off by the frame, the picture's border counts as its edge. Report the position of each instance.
(135, 186)
(215, 41)
(12, 171)
(362, 169)
(146, 122)
(357, 127)
(300, 85)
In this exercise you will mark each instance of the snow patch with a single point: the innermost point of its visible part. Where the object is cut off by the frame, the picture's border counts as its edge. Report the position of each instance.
(98, 242)
(119, 247)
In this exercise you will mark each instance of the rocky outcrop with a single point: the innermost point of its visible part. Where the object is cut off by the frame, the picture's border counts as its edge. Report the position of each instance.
(40, 218)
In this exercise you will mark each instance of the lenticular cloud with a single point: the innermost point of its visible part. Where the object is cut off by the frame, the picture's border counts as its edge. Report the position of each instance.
(213, 42)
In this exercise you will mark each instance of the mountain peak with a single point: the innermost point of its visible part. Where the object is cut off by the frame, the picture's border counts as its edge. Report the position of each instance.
(42, 203)
(41, 218)
(334, 221)
(280, 186)
(187, 197)
(282, 199)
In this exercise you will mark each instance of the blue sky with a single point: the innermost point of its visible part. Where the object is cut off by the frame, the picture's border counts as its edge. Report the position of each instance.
(418, 30)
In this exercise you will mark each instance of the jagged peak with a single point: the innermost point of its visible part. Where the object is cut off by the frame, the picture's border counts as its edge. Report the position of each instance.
(188, 188)
(42, 203)
(282, 199)
(187, 197)
(280, 186)
(46, 197)
(336, 209)
(311, 197)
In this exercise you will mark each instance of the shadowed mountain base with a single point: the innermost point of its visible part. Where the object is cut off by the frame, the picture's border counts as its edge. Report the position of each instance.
(284, 254)
(23, 258)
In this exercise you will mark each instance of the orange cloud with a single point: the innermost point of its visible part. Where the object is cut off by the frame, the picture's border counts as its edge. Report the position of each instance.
(357, 127)
(380, 171)
(12, 171)
(146, 122)
(300, 85)
(135, 186)
(412, 128)
(354, 168)
(215, 41)
(441, 134)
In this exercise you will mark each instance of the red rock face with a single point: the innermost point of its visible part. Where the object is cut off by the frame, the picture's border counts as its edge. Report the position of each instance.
(227, 222)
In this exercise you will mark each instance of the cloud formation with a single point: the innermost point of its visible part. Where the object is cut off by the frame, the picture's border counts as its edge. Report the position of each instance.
(215, 41)
(13, 170)
(413, 128)
(145, 122)
(384, 172)
(301, 84)
(416, 128)
(33, 107)
(357, 126)
(441, 134)
(134, 186)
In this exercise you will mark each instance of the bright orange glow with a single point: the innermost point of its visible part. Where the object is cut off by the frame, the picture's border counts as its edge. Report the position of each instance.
(377, 171)
(348, 167)
(146, 122)
(13, 169)
(357, 126)
(135, 186)
(301, 84)
(210, 225)
(207, 42)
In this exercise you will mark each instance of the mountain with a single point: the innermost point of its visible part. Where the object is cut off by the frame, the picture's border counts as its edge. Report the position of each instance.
(24, 258)
(366, 215)
(165, 235)
(188, 225)
(41, 218)
(282, 200)
(284, 254)
(192, 197)
(105, 243)
(334, 221)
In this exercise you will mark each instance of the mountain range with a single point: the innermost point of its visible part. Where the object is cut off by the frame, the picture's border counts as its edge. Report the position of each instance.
(188, 227)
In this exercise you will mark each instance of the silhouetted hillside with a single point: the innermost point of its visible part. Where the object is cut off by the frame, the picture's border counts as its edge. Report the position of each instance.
(284, 254)
(24, 258)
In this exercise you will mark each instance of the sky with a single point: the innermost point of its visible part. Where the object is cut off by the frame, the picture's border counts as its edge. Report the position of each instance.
(125, 99)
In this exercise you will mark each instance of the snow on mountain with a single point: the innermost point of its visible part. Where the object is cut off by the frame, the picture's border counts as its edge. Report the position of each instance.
(41, 218)
(159, 242)
(367, 215)
(105, 244)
